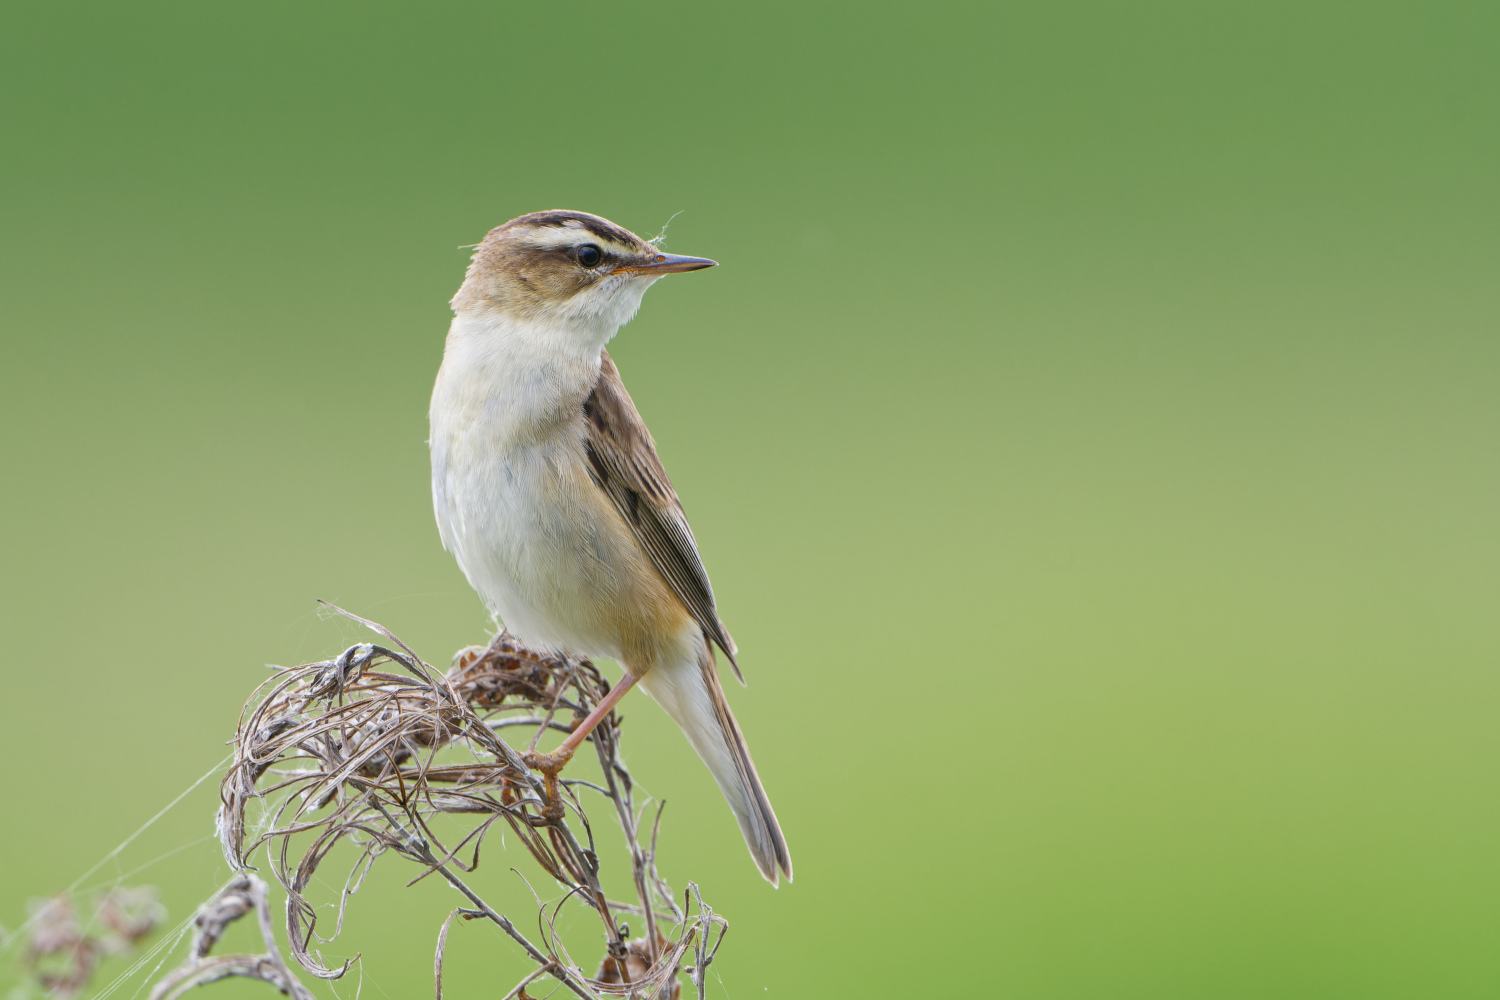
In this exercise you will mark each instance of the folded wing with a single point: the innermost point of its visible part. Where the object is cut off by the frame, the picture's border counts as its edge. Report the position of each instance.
(623, 460)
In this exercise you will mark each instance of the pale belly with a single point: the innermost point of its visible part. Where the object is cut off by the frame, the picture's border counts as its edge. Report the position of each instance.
(552, 558)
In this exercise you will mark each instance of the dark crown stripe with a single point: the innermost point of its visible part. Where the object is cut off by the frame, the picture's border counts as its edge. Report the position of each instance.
(598, 227)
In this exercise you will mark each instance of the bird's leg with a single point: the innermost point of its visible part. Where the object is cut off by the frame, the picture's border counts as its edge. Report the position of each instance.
(551, 763)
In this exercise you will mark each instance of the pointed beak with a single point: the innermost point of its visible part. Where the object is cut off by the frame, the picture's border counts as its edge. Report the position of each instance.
(667, 263)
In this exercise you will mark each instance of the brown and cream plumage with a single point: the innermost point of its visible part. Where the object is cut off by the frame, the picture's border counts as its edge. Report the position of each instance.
(549, 491)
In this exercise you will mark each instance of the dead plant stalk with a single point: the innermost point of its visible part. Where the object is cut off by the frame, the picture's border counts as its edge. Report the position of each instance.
(371, 747)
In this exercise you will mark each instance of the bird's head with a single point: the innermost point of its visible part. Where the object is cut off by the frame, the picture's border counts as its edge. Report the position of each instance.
(568, 267)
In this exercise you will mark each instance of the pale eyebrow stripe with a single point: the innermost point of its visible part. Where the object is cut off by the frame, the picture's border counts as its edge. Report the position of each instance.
(554, 238)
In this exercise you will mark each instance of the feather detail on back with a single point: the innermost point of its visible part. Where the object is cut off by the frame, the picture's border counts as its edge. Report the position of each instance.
(622, 459)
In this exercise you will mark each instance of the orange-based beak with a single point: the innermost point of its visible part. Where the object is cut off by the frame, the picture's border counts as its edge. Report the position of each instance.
(667, 263)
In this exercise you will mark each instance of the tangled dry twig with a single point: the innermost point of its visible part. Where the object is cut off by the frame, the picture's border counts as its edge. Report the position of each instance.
(241, 896)
(367, 749)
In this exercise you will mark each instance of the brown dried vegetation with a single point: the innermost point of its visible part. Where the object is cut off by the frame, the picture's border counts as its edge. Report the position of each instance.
(370, 748)
(61, 953)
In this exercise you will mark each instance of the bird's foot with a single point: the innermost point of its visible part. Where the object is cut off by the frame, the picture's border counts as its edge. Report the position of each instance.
(550, 764)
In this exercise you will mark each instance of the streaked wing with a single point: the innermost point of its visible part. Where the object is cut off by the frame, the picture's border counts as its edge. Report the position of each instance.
(624, 463)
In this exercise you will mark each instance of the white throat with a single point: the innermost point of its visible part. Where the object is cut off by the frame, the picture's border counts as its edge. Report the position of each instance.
(518, 376)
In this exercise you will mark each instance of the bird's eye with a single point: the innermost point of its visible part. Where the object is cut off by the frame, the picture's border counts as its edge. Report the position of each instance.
(590, 255)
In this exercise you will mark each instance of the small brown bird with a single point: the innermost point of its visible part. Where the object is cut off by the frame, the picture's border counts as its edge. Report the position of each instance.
(549, 492)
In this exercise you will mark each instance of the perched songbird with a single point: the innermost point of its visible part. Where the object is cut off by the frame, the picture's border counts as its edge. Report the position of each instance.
(549, 492)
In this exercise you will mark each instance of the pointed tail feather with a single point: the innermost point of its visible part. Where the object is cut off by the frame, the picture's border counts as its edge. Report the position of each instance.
(691, 694)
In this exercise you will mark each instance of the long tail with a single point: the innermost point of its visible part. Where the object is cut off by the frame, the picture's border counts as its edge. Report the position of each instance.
(691, 694)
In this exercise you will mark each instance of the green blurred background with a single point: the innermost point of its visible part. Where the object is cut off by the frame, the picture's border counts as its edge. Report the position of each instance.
(1091, 431)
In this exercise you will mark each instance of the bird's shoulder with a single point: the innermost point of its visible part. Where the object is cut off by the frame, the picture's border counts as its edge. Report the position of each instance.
(618, 438)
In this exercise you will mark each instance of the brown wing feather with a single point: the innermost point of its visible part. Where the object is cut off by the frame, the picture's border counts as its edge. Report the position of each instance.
(624, 463)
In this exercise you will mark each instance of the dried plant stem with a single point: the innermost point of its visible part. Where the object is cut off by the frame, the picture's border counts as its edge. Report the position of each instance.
(245, 894)
(352, 750)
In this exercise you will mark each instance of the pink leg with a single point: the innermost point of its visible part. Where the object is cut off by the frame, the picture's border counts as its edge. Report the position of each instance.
(582, 730)
(550, 763)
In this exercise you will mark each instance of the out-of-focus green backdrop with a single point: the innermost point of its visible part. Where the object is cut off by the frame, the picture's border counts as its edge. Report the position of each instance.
(1092, 433)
